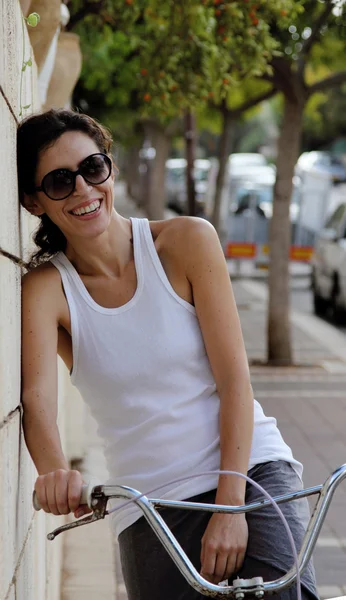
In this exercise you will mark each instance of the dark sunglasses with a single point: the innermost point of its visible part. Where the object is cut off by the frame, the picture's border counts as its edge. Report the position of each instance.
(60, 183)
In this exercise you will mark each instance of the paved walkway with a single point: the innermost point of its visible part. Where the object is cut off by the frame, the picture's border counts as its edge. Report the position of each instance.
(309, 403)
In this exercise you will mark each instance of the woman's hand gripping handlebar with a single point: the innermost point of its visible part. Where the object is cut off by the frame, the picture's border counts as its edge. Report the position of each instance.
(96, 502)
(84, 499)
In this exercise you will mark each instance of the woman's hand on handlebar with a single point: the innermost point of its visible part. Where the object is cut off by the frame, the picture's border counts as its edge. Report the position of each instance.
(59, 492)
(223, 546)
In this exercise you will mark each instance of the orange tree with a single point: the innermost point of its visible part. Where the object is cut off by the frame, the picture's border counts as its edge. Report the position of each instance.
(312, 62)
(148, 62)
(309, 61)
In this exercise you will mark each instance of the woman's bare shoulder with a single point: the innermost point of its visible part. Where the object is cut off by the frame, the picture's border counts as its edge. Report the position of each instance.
(42, 273)
(43, 283)
(179, 233)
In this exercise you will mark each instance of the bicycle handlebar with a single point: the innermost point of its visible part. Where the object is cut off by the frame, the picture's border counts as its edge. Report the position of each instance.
(98, 497)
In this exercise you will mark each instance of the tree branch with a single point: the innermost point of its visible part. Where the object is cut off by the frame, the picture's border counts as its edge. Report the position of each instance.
(316, 27)
(315, 33)
(327, 83)
(254, 101)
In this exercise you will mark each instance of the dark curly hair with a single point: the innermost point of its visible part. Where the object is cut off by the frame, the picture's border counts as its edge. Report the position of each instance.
(36, 133)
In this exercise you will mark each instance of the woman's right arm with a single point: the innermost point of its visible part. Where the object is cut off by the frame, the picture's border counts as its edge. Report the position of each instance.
(58, 488)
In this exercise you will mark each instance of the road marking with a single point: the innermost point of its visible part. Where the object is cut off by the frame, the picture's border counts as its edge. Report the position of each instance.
(334, 592)
(330, 542)
(301, 394)
(334, 366)
(298, 379)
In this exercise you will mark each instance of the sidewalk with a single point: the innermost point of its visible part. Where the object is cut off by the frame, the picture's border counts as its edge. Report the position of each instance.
(309, 403)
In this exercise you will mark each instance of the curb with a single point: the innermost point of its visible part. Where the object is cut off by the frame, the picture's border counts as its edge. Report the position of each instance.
(264, 278)
(327, 335)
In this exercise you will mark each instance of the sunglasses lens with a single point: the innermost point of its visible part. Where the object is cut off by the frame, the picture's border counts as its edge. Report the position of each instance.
(58, 184)
(96, 168)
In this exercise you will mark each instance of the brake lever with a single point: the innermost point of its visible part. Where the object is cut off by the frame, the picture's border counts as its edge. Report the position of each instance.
(99, 508)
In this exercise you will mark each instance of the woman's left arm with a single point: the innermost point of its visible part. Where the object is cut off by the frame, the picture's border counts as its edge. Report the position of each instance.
(225, 540)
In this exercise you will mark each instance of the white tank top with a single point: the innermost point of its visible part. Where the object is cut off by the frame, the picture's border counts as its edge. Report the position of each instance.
(143, 370)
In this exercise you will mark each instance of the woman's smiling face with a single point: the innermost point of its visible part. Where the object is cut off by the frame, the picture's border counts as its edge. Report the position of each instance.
(69, 150)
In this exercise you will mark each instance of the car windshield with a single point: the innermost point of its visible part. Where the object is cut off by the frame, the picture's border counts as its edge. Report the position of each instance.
(262, 194)
(178, 173)
(201, 174)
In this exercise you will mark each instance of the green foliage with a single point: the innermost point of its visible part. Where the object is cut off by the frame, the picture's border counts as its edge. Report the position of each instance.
(148, 58)
(158, 58)
(325, 118)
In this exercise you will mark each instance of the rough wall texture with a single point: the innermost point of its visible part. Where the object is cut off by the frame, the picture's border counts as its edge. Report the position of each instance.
(29, 565)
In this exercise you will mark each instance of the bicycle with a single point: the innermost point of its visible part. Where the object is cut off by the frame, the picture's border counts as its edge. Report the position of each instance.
(97, 498)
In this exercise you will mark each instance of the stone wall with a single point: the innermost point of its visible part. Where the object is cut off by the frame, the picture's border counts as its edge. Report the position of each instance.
(30, 566)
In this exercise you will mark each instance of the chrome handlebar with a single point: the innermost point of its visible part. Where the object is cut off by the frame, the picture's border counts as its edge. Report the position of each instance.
(98, 496)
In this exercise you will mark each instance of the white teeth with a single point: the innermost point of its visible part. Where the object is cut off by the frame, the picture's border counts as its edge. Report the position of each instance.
(87, 209)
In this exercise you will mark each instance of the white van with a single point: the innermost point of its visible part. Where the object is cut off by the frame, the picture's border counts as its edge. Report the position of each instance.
(329, 267)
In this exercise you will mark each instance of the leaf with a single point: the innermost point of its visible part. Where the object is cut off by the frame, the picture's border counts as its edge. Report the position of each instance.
(33, 19)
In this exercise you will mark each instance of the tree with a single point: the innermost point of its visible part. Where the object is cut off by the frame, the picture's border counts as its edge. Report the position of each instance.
(249, 95)
(317, 39)
(162, 59)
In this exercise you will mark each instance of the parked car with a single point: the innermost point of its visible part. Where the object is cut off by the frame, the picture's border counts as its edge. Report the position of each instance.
(176, 190)
(252, 208)
(260, 194)
(329, 267)
(325, 162)
(245, 168)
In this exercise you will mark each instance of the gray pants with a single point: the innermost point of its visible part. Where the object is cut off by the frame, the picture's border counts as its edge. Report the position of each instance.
(150, 574)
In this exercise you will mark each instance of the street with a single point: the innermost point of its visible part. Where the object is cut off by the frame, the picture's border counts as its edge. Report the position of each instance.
(308, 402)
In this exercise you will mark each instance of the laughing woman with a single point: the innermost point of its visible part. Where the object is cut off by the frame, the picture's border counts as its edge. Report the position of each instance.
(144, 317)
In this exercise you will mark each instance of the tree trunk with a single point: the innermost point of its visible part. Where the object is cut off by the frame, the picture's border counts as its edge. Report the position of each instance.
(226, 143)
(156, 173)
(190, 144)
(279, 335)
(132, 173)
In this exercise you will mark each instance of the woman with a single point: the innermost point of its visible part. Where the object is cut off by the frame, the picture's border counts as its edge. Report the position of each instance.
(144, 317)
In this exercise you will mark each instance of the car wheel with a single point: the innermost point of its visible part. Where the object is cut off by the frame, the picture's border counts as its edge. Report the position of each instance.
(338, 309)
(321, 305)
